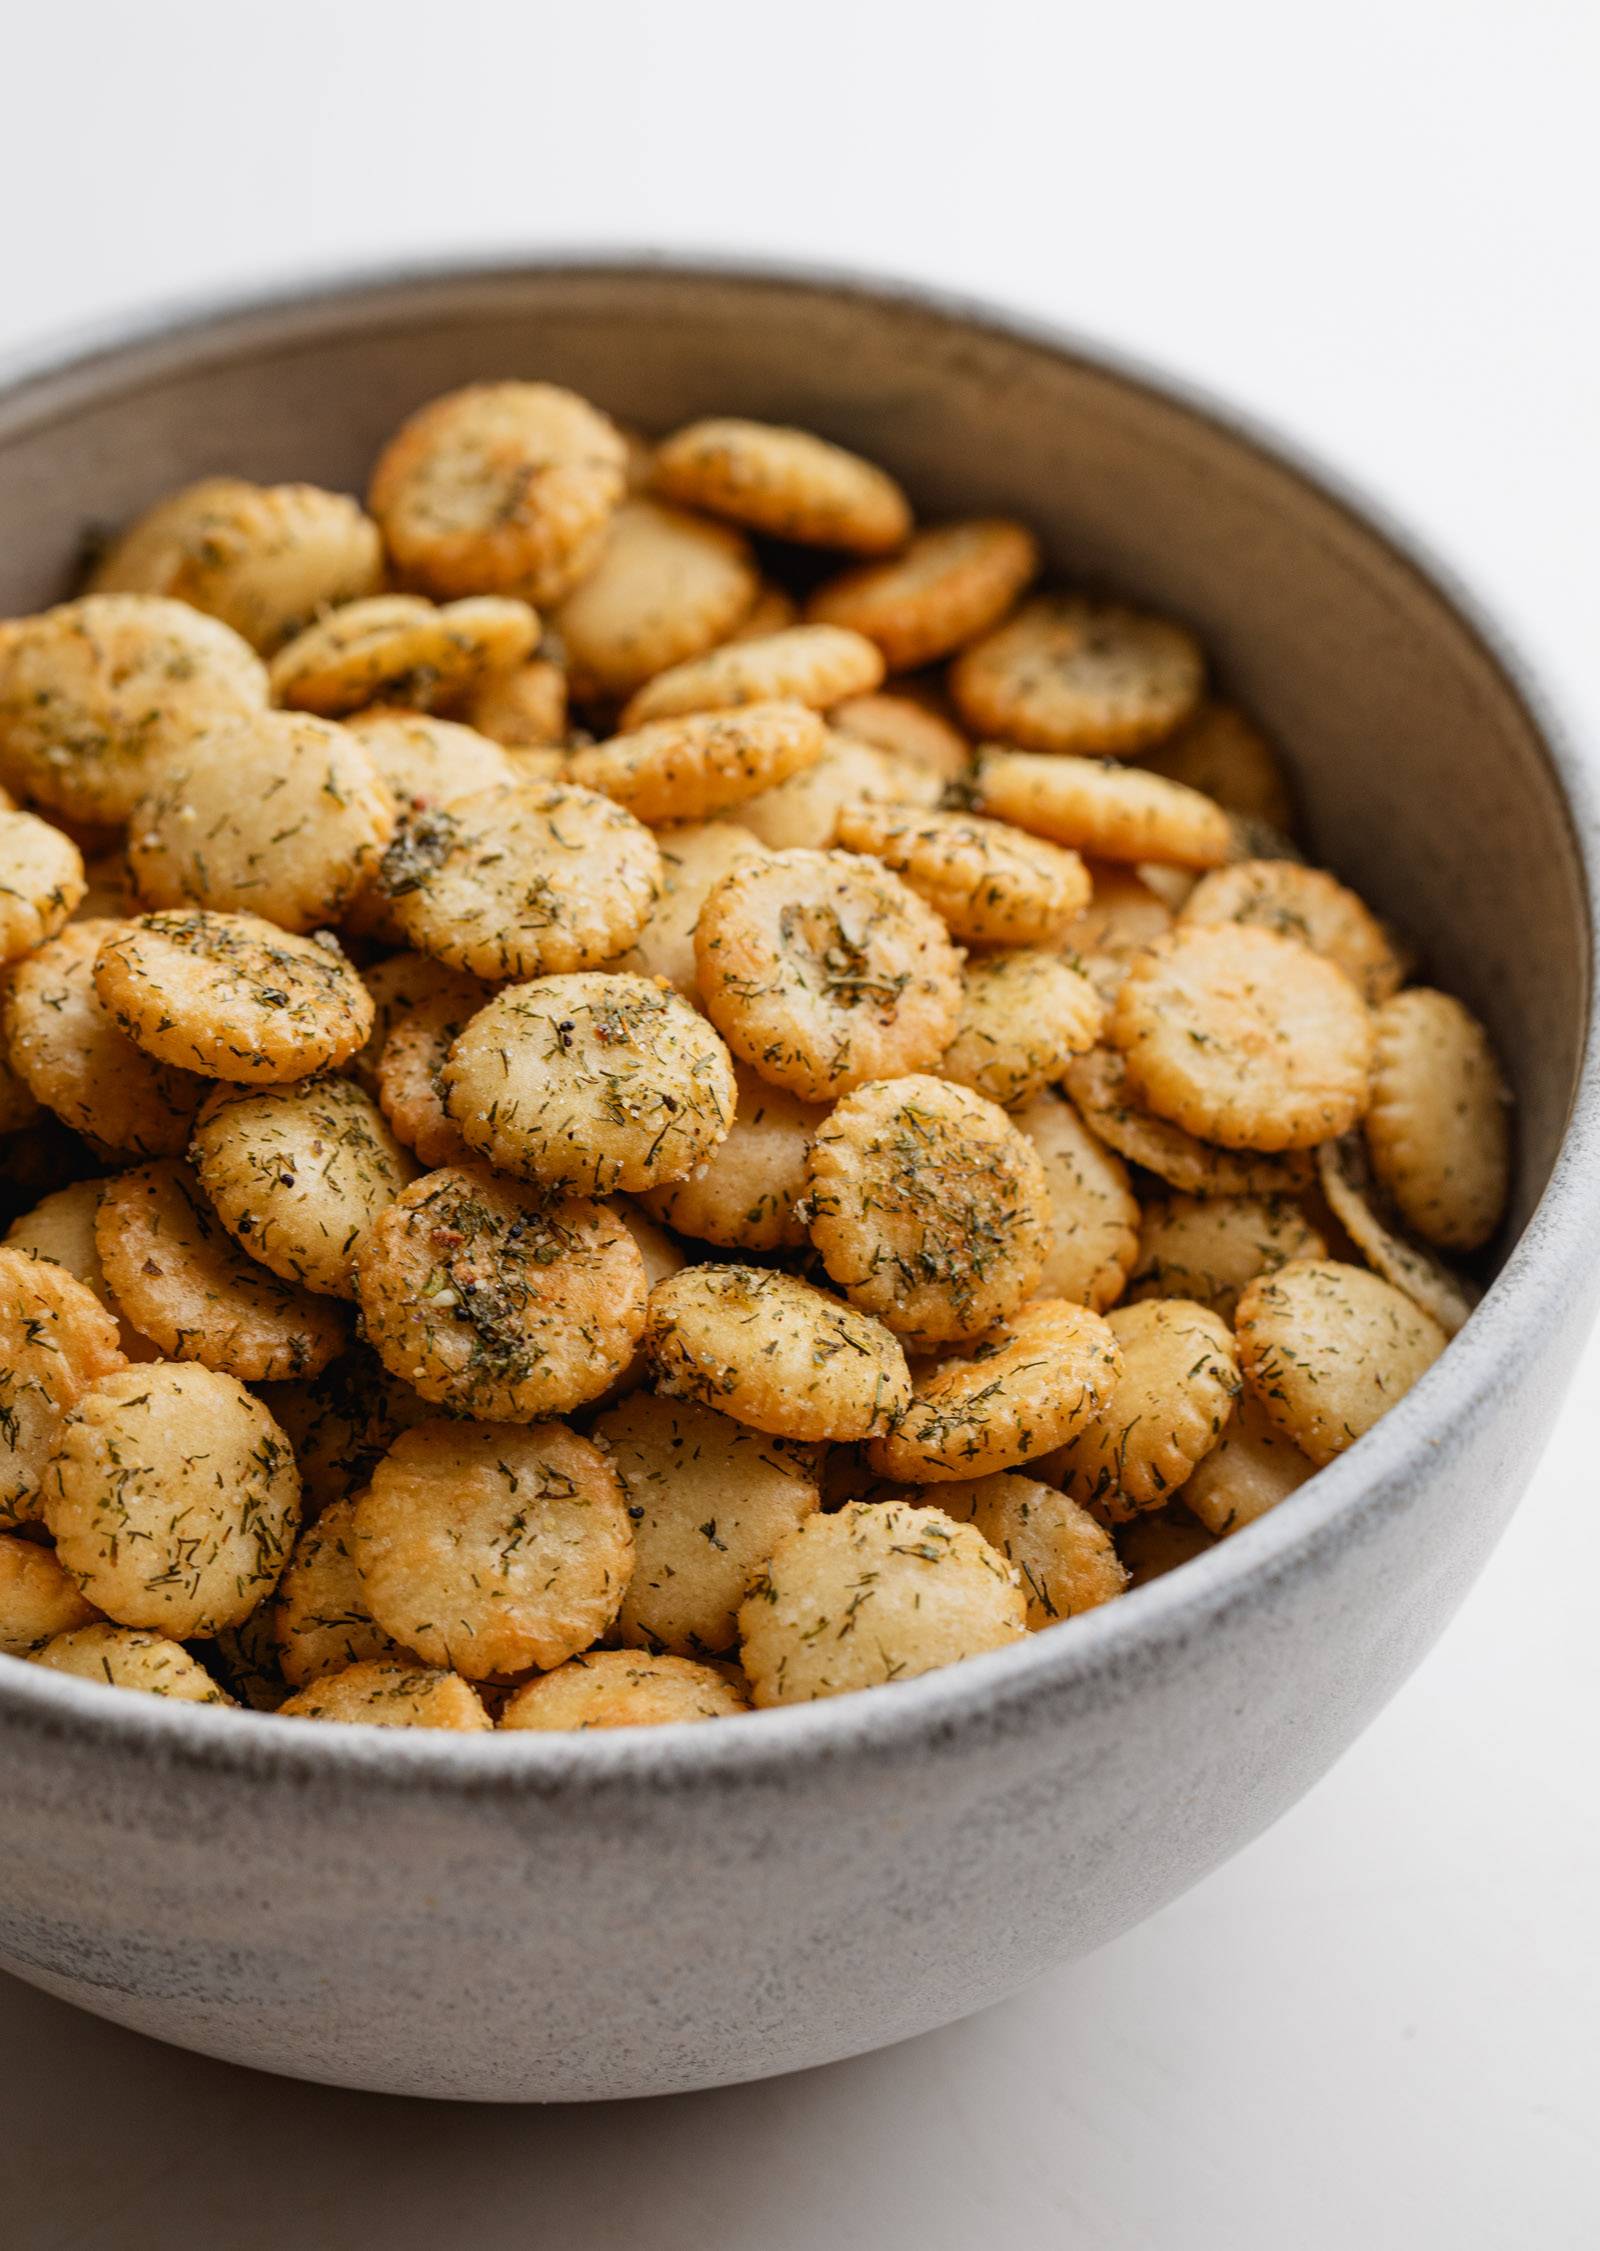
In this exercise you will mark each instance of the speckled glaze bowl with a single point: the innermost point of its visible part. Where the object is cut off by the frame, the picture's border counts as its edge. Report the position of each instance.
(542, 1918)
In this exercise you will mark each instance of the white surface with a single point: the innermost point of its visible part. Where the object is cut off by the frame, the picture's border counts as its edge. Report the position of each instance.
(1374, 225)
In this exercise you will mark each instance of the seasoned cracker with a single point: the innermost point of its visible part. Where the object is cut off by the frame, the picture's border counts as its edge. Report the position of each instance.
(910, 728)
(745, 1193)
(1178, 1382)
(1250, 1469)
(523, 709)
(125, 1657)
(1224, 755)
(400, 649)
(1210, 1248)
(395, 986)
(594, 1081)
(928, 1208)
(182, 1280)
(1025, 1391)
(666, 587)
(98, 695)
(56, 1339)
(514, 882)
(411, 1070)
(695, 855)
(1244, 1038)
(1367, 1216)
(878, 1592)
(1094, 1230)
(952, 583)
(1306, 904)
(265, 559)
(232, 996)
(173, 1499)
(60, 1227)
(391, 1692)
(783, 481)
(297, 1173)
(1024, 1015)
(38, 1598)
(773, 1352)
(500, 488)
(823, 970)
(1065, 674)
(686, 769)
(1439, 1124)
(1329, 1349)
(280, 815)
(341, 1422)
(320, 1619)
(992, 885)
(424, 761)
(802, 814)
(494, 1300)
(41, 882)
(709, 1500)
(1068, 1561)
(621, 1688)
(814, 665)
(1098, 1084)
(1125, 914)
(493, 1547)
(1108, 812)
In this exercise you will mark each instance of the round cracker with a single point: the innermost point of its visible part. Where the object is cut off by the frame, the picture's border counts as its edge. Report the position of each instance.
(391, 1692)
(341, 1422)
(60, 1227)
(516, 882)
(709, 1500)
(1244, 1038)
(1068, 1561)
(41, 882)
(695, 855)
(1250, 1469)
(294, 845)
(1106, 811)
(1438, 1128)
(494, 1300)
(1224, 755)
(183, 1281)
(1210, 1248)
(97, 696)
(802, 814)
(1364, 1212)
(499, 487)
(823, 970)
(950, 584)
(594, 1081)
(992, 885)
(928, 1208)
(1065, 674)
(1024, 1015)
(621, 1688)
(396, 986)
(65, 1047)
(1178, 1382)
(265, 559)
(233, 996)
(814, 665)
(522, 709)
(1098, 1084)
(173, 1499)
(297, 1173)
(783, 481)
(56, 1340)
(38, 1598)
(666, 587)
(878, 1592)
(744, 1194)
(773, 1352)
(493, 1547)
(1329, 1349)
(685, 769)
(399, 649)
(1303, 903)
(320, 1619)
(1094, 1230)
(1124, 915)
(125, 1657)
(410, 1072)
(909, 729)
(1025, 1391)
(424, 761)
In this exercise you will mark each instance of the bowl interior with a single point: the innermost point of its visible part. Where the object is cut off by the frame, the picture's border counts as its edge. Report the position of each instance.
(1421, 771)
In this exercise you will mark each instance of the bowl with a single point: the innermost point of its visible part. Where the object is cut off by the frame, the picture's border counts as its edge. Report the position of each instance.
(544, 1918)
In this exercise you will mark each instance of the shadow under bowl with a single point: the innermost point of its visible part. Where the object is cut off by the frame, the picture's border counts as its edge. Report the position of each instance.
(548, 1918)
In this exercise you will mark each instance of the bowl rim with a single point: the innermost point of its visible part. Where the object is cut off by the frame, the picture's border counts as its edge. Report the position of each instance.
(1110, 1649)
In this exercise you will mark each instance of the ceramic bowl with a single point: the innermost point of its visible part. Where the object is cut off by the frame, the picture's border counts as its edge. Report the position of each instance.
(541, 1918)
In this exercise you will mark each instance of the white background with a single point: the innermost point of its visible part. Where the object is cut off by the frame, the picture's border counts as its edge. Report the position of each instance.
(1375, 225)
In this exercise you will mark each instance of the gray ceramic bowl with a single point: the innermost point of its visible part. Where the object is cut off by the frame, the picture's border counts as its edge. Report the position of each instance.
(537, 1918)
